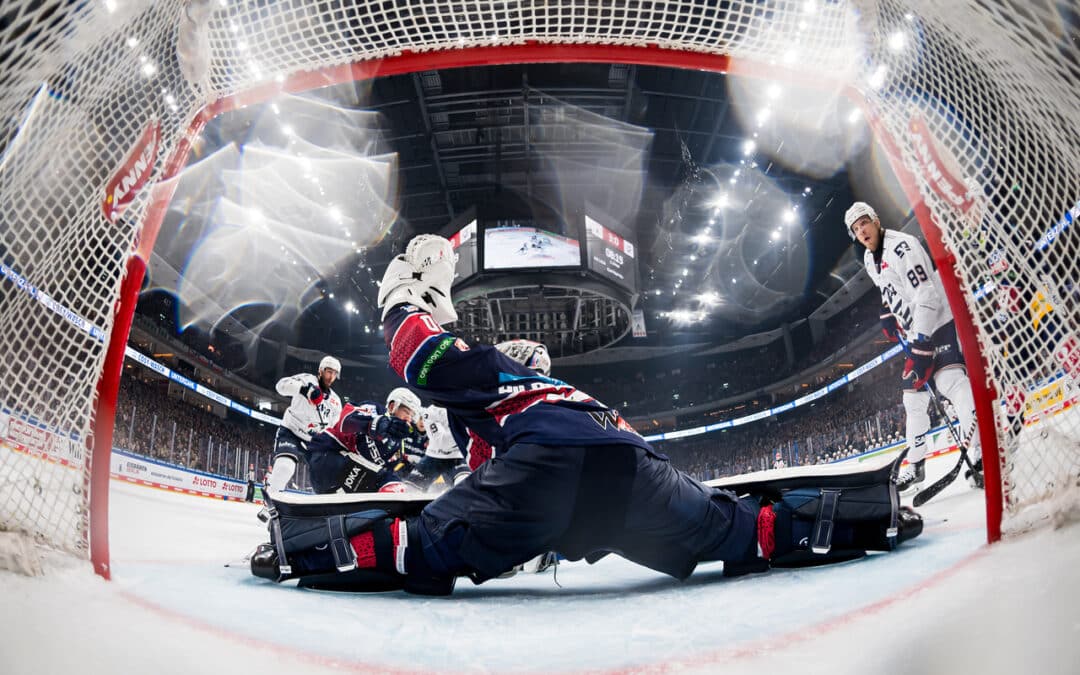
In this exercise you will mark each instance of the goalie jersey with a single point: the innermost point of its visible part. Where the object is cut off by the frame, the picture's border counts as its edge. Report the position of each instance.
(909, 284)
(499, 400)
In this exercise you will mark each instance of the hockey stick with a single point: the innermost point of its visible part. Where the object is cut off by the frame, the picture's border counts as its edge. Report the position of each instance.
(935, 488)
(932, 490)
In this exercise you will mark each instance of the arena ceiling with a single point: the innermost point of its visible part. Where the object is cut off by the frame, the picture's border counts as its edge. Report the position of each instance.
(734, 190)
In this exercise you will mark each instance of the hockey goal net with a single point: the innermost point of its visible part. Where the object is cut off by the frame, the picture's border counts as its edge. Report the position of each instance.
(99, 101)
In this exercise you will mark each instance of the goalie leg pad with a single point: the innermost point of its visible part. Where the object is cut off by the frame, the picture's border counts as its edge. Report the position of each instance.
(817, 526)
(363, 551)
(303, 545)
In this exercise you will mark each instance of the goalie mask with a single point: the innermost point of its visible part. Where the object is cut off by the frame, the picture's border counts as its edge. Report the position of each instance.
(532, 355)
(422, 276)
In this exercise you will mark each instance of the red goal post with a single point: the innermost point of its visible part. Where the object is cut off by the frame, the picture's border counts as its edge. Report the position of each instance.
(101, 101)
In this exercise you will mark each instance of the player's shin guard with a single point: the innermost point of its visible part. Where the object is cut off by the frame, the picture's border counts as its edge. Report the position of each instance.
(954, 385)
(918, 423)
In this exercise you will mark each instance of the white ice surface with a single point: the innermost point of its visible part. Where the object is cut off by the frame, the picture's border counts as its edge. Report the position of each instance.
(944, 603)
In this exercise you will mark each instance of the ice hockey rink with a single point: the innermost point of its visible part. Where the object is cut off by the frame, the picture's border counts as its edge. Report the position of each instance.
(511, 247)
(943, 603)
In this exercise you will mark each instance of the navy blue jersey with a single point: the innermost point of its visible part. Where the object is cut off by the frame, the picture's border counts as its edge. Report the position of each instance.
(352, 433)
(498, 399)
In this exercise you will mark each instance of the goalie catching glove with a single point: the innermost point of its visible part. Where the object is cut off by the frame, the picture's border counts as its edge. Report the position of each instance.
(422, 276)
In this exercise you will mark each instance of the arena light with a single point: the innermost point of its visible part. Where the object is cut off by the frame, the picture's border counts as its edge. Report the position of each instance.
(897, 41)
(749, 147)
(877, 79)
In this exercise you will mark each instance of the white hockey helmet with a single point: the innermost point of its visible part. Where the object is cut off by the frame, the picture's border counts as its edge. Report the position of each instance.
(330, 362)
(532, 355)
(403, 396)
(858, 210)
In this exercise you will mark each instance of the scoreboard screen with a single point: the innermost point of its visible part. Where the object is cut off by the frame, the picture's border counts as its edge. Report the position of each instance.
(464, 243)
(611, 255)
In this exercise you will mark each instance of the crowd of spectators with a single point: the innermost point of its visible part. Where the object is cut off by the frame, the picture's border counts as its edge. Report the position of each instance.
(180, 428)
(848, 422)
(674, 383)
(643, 387)
(841, 329)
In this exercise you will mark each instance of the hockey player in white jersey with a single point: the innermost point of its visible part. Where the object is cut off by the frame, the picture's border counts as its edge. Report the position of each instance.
(314, 407)
(915, 309)
(443, 464)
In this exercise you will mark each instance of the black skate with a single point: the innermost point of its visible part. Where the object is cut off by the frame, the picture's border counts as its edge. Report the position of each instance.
(264, 563)
(911, 477)
(909, 524)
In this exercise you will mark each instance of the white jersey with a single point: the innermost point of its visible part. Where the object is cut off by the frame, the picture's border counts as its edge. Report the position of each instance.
(304, 418)
(441, 444)
(909, 284)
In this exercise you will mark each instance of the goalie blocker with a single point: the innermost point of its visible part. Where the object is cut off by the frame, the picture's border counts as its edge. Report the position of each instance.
(807, 516)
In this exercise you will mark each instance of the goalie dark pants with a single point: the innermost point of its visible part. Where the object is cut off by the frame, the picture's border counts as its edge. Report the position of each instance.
(582, 502)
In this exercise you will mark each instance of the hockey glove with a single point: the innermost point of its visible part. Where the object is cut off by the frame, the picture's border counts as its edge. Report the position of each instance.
(920, 362)
(389, 429)
(313, 393)
(532, 355)
(889, 326)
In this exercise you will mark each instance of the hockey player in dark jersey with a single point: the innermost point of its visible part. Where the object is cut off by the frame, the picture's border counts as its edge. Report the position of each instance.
(571, 476)
(353, 454)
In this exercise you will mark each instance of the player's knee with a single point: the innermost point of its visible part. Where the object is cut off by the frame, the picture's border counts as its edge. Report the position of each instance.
(954, 385)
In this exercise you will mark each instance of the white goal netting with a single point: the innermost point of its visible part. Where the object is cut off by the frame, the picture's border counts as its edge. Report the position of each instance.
(978, 99)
